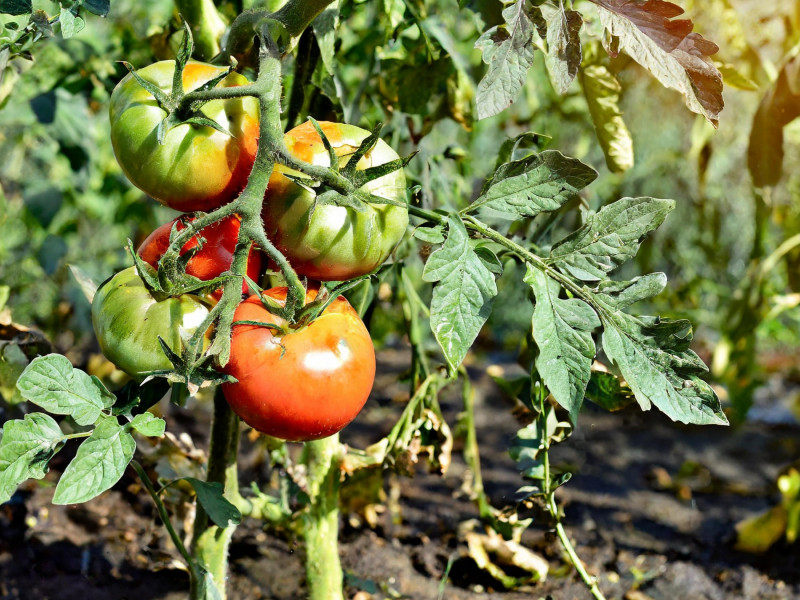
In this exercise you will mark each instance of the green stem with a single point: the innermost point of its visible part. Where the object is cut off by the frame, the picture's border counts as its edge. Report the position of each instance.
(210, 542)
(471, 451)
(164, 515)
(550, 498)
(321, 523)
(206, 23)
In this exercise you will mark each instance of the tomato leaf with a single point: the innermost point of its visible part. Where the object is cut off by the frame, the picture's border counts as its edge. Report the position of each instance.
(99, 463)
(26, 447)
(535, 184)
(508, 50)
(16, 7)
(609, 237)
(325, 26)
(510, 146)
(602, 92)
(562, 330)
(678, 58)
(621, 294)
(219, 509)
(97, 7)
(148, 424)
(653, 356)
(431, 235)
(54, 384)
(462, 296)
(607, 391)
(563, 45)
(137, 398)
(70, 23)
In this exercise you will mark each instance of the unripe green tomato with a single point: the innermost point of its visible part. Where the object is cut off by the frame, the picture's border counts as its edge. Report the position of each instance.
(128, 320)
(197, 167)
(326, 242)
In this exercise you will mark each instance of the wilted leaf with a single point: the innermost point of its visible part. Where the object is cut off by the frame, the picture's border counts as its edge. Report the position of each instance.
(602, 92)
(563, 45)
(779, 107)
(678, 58)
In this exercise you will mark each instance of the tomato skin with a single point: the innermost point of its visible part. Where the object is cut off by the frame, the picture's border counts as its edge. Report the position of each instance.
(128, 320)
(197, 167)
(334, 243)
(319, 384)
(212, 259)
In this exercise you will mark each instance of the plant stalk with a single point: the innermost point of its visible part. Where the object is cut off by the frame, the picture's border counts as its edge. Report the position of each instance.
(321, 523)
(210, 542)
(206, 23)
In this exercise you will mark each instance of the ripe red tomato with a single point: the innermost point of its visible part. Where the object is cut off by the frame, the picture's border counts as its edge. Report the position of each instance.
(305, 384)
(328, 242)
(197, 167)
(212, 259)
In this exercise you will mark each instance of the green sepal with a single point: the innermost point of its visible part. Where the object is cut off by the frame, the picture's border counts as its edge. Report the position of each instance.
(360, 178)
(366, 145)
(327, 143)
(161, 98)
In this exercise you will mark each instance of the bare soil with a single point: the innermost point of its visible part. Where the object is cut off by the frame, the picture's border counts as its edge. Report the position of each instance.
(651, 509)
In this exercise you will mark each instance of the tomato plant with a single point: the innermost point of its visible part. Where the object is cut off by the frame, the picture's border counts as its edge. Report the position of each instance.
(194, 166)
(299, 384)
(128, 321)
(214, 254)
(329, 242)
(331, 201)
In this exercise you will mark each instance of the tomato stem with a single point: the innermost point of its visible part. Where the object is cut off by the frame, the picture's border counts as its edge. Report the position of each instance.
(321, 523)
(210, 542)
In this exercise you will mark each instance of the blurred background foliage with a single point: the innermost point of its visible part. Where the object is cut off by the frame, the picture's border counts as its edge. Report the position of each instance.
(64, 200)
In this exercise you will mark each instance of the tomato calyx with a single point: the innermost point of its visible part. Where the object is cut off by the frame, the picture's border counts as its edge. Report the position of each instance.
(344, 186)
(173, 103)
(170, 279)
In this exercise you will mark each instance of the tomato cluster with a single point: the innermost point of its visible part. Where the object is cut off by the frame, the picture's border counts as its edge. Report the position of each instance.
(296, 381)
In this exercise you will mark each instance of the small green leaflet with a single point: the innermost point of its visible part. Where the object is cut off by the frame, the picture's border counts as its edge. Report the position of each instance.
(100, 462)
(70, 23)
(621, 294)
(462, 297)
(52, 383)
(562, 330)
(609, 237)
(148, 424)
(218, 508)
(534, 184)
(653, 356)
(25, 449)
(508, 50)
